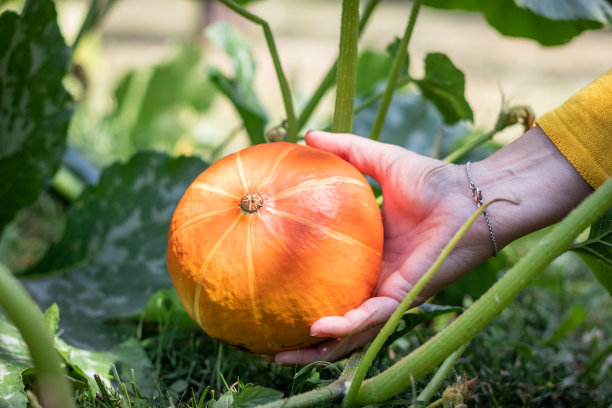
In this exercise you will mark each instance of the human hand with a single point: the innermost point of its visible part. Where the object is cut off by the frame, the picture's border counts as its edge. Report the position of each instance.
(425, 203)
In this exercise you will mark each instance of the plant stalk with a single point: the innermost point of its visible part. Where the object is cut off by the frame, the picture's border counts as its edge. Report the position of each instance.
(491, 304)
(325, 395)
(94, 15)
(439, 376)
(347, 67)
(396, 68)
(54, 390)
(292, 127)
(330, 77)
(391, 324)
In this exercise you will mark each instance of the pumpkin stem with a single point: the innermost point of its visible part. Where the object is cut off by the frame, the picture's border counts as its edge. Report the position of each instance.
(251, 203)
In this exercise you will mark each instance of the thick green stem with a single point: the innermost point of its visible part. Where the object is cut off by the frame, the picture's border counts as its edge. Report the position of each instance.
(491, 304)
(292, 127)
(330, 77)
(347, 67)
(439, 376)
(398, 62)
(54, 390)
(326, 395)
(391, 324)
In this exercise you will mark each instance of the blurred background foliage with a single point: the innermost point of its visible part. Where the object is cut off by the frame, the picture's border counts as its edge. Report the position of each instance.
(155, 80)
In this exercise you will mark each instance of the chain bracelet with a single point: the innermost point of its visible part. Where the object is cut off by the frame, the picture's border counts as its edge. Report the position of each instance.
(477, 194)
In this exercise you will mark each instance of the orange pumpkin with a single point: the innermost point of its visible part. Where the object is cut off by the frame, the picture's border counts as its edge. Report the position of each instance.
(270, 239)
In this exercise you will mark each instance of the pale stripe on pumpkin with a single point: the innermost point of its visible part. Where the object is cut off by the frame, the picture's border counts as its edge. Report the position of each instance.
(315, 184)
(212, 189)
(241, 172)
(204, 267)
(271, 173)
(199, 219)
(326, 230)
(259, 319)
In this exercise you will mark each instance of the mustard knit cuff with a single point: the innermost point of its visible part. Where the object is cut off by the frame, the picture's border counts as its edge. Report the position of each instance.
(581, 129)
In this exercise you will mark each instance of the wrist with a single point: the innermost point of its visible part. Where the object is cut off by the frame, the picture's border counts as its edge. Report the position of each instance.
(533, 173)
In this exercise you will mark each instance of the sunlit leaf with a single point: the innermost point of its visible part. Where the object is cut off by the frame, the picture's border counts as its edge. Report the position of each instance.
(14, 358)
(550, 22)
(112, 255)
(149, 102)
(444, 85)
(34, 107)
(239, 89)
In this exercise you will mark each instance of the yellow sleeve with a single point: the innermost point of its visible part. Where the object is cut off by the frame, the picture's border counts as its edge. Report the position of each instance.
(581, 129)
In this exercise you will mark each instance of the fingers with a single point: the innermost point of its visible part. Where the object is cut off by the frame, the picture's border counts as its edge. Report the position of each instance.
(368, 156)
(348, 332)
(371, 313)
(329, 350)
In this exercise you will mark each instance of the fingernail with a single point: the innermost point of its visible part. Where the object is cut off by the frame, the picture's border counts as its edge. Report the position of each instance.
(314, 333)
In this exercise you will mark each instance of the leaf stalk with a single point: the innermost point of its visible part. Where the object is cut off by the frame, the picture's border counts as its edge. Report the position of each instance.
(54, 390)
(396, 68)
(292, 127)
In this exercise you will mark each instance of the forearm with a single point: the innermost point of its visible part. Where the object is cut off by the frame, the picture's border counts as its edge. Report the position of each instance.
(532, 172)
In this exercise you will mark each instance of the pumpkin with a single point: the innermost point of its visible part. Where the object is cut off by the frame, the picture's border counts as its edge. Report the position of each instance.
(268, 240)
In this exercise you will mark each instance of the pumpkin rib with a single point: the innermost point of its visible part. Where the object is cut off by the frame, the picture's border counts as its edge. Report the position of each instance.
(297, 261)
(213, 189)
(204, 267)
(325, 229)
(198, 220)
(271, 173)
(309, 185)
(257, 314)
(241, 172)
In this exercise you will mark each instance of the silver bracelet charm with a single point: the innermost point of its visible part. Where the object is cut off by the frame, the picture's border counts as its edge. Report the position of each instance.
(477, 194)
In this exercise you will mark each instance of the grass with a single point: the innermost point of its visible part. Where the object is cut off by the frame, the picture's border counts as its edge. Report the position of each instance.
(537, 353)
(513, 362)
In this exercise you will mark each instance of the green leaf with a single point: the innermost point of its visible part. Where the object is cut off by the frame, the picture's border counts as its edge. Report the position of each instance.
(550, 22)
(444, 85)
(225, 401)
(253, 396)
(574, 318)
(149, 102)
(412, 122)
(34, 107)
(426, 311)
(239, 89)
(596, 250)
(112, 253)
(165, 305)
(14, 358)
(373, 68)
(475, 283)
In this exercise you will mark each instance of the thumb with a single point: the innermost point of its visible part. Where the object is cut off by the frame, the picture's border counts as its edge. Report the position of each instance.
(368, 156)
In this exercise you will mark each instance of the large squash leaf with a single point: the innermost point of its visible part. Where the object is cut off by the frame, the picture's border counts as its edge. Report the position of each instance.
(412, 122)
(34, 107)
(112, 255)
(549, 22)
(239, 89)
(596, 250)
